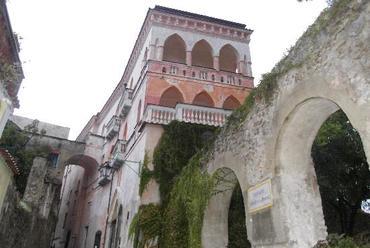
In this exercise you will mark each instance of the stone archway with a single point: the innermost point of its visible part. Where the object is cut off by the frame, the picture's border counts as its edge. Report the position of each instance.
(215, 224)
(320, 75)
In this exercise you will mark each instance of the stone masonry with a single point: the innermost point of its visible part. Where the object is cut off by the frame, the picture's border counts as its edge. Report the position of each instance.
(328, 69)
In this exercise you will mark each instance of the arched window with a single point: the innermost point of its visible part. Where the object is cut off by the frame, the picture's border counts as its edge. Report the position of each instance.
(138, 112)
(202, 54)
(203, 99)
(171, 97)
(174, 49)
(228, 59)
(231, 103)
(97, 239)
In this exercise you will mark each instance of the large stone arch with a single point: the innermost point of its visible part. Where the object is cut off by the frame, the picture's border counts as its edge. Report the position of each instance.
(324, 72)
(300, 113)
(215, 222)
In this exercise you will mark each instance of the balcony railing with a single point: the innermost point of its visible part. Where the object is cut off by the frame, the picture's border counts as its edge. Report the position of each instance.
(159, 114)
(186, 113)
(200, 73)
(113, 127)
(117, 154)
(125, 103)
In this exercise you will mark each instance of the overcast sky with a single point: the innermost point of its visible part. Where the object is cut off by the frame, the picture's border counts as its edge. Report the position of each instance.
(75, 51)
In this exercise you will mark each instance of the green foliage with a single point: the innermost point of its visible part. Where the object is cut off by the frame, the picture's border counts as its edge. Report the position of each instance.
(146, 175)
(340, 241)
(184, 189)
(188, 201)
(15, 141)
(8, 72)
(342, 172)
(146, 224)
(179, 142)
(236, 221)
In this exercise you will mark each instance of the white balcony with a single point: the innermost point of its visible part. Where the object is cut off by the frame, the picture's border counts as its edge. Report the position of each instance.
(186, 113)
(112, 128)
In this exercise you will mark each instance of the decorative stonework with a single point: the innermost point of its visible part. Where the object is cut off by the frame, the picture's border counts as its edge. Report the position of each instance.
(200, 26)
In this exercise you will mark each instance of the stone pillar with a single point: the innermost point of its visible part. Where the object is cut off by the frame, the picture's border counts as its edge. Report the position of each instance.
(160, 53)
(248, 70)
(35, 181)
(216, 63)
(151, 52)
(241, 67)
(188, 58)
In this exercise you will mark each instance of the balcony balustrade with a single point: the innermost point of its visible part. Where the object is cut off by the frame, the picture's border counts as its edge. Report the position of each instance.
(200, 73)
(186, 113)
(112, 128)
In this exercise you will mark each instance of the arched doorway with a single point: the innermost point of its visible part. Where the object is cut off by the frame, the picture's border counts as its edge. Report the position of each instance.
(296, 169)
(202, 54)
(174, 49)
(170, 97)
(203, 99)
(231, 103)
(225, 216)
(228, 59)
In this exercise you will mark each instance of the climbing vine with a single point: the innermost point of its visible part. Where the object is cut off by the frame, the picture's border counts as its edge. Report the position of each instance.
(146, 175)
(184, 189)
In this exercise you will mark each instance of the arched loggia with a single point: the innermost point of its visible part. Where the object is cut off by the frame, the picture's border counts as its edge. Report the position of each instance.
(174, 49)
(202, 54)
(228, 59)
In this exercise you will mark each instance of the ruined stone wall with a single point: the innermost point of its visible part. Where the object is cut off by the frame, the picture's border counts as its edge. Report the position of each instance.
(29, 222)
(328, 69)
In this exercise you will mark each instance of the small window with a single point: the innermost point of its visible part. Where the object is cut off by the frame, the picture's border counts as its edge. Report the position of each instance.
(184, 73)
(213, 77)
(222, 79)
(164, 70)
(53, 158)
(193, 74)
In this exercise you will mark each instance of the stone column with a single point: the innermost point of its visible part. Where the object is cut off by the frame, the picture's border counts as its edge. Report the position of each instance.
(188, 58)
(160, 53)
(248, 70)
(152, 52)
(241, 67)
(216, 63)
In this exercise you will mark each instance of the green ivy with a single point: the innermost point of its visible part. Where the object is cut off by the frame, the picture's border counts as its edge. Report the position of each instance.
(145, 176)
(146, 225)
(183, 187)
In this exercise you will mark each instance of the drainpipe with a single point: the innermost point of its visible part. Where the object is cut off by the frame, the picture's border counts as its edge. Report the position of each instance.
(108, 209)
